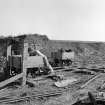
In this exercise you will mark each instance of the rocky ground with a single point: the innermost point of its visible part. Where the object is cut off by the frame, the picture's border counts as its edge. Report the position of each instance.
(46, 93)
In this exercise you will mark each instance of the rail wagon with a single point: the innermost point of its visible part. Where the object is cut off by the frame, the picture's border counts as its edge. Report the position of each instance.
(62, 57)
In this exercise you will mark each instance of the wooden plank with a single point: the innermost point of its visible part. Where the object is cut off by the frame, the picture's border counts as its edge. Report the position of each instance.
(56, 68)
(34, 61)
(95, 77)
(12, 79)
(64, 69)
(17, 55)
(46, 62)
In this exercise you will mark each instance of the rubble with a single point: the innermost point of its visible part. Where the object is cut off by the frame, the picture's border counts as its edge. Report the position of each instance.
(66, 82)
(81, 83)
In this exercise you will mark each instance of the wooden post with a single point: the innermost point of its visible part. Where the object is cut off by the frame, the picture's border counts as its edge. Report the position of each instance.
(25, 55)
(8, 51)
(92, 99)
(9, 54)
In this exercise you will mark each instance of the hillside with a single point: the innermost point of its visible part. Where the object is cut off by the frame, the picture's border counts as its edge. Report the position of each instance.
(86, 52)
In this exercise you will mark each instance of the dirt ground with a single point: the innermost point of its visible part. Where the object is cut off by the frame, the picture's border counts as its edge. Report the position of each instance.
(68, 96)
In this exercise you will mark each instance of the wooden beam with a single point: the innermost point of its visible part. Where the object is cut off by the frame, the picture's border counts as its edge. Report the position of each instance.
(24, 69)
(10, 80)
(45, 61)
(95, 77)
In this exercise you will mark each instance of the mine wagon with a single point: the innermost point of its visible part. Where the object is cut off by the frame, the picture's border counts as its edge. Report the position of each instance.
(19, 58)
(62, 57)
(23, 60)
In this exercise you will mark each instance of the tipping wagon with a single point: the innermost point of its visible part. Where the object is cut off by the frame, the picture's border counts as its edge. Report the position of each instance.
(62, 57)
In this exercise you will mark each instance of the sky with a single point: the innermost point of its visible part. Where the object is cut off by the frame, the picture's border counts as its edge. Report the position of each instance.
(58, 19)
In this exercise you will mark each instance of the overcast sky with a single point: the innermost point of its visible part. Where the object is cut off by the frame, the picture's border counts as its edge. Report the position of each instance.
(58, 19)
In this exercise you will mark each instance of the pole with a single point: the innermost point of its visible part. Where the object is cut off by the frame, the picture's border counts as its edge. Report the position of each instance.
(25, 55)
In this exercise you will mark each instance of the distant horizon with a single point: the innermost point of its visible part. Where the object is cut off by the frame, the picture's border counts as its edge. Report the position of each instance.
(83, 41)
